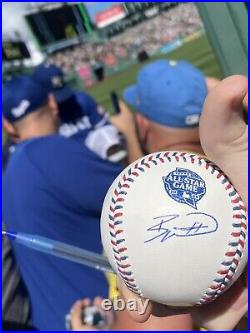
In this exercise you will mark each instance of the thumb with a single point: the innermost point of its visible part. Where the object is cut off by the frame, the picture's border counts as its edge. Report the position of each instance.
(124, 107)
(226, 99)
(222, 111)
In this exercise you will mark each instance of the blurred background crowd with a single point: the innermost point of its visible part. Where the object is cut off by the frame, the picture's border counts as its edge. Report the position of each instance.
(149, 35)
(86, 36)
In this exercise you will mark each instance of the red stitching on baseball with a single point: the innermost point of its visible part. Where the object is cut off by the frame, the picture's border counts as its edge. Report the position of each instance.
(124, 266)
(118, 215)
(242, 243)
(235, 234)
(236, 200)
(230, 253)
(236, 261)
(123, 249)
(243, 225)
(223, 272)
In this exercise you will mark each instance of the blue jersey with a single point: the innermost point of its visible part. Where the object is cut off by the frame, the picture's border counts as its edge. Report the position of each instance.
(80, 114)
(90, 123)
(89, 115)
(54, 187)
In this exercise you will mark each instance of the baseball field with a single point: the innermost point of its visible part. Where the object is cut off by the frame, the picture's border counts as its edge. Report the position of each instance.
(197, 51)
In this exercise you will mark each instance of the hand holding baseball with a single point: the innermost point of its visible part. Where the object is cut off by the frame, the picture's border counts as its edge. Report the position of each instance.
(228, 148)
(223, 131)
(157, 243)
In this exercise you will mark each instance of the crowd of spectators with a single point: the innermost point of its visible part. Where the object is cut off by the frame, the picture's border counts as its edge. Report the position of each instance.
(149, 35)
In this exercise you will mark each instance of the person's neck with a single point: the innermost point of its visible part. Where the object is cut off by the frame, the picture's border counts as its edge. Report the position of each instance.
(33, 132)
(187, 147)
(191, 147)
(162, 138)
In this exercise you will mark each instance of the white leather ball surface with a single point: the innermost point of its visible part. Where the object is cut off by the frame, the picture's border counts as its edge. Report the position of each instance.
(174, 228)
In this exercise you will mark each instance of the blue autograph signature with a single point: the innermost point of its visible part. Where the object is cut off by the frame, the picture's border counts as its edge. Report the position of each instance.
(192, 224)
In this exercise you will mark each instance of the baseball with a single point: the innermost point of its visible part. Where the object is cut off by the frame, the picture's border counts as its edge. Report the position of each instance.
(174, 229)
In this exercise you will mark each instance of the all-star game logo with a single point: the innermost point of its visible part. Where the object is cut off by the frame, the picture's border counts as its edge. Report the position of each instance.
(185, 186)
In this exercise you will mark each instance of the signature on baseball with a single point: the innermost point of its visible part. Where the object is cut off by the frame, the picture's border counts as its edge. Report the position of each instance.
(186, 225)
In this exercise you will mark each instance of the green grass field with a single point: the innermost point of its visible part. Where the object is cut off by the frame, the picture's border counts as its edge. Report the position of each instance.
(197, 51)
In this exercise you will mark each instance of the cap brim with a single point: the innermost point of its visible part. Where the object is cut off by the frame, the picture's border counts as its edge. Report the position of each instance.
(130, 96)
(63, 94)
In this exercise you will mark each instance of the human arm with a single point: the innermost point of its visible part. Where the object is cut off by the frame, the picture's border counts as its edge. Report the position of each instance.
(103, 138)
(228, 144)
(228, 148)
(223, 135)
(125, 123)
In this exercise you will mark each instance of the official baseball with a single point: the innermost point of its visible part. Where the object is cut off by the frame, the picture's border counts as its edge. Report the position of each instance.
(174, 229)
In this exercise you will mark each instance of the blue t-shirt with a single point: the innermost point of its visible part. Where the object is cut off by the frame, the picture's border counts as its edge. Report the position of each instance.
(94, 111)
(54, 187)
(89, 115)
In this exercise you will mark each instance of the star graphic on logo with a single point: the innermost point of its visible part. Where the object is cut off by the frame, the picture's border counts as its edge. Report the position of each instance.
(56, 81)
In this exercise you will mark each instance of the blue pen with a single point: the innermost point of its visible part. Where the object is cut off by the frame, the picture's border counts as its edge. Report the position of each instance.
(61, 250)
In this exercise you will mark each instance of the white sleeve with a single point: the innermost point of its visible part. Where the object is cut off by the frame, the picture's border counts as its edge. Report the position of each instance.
(101, 139)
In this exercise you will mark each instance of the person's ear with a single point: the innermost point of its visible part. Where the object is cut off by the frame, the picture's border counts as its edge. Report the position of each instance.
(10, 130)
(52, 104)
(143, 126)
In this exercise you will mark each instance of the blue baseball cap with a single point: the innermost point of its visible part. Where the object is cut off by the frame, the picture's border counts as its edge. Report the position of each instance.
(170, 93)
(21, 96)
(52, 77)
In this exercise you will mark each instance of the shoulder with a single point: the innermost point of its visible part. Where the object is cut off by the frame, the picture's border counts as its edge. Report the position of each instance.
(30, 155)
(84, 98)
(45, 150)
(43, 144)
(93, 110)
